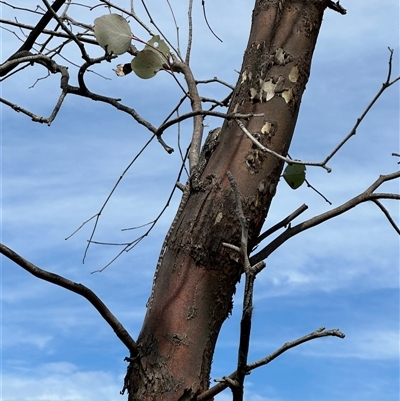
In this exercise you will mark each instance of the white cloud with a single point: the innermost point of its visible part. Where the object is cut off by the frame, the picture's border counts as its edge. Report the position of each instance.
(55, 178)
(61, 381)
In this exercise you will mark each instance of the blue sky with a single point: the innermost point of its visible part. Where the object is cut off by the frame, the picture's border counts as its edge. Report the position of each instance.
(343, 274)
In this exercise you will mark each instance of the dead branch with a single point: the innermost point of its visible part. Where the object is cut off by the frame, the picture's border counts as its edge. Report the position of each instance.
(353, 131)
(337, 7)
(319, 333)
(203, 3)
(49, 32)
(131, 244)
(191, 114)
(131, 14)
(283, 223)
(271, 152)
(224, 383)
(318, 192)
(323, 164)
(30, 41)
(190, 32)
(387, 214)
(52, 67)
(158, 29)
(367, 195)
(215, 79)
(237, 385)
(195, 100)
(77, 288)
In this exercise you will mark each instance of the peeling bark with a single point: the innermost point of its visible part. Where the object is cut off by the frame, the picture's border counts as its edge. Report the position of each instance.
(197, 278)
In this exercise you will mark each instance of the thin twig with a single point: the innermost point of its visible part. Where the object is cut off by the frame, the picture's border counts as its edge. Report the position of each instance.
(318, 192)
(387, 214)
(215, 79)
(81, 46)
(286, 159)
(203, 3)
(190, 32)
(159, 30)
(130, 13)
(176, 27)
(197, 135)
(49, 32)
(191, 114)
(283, 223)
(31, 39)
(98, 214)
(129, 246)
(353, 131)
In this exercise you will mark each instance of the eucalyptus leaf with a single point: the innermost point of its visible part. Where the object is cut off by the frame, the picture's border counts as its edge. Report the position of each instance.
(113, 33)
(295, 175)
(157, 45)
(146, 64)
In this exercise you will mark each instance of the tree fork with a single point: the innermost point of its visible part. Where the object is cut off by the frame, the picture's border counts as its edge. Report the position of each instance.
(197, 277)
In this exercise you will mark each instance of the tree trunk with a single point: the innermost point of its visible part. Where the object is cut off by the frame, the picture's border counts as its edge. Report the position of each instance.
(196, 281)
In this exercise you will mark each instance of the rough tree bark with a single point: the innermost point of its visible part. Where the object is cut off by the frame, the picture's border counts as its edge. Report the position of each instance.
(197, 277)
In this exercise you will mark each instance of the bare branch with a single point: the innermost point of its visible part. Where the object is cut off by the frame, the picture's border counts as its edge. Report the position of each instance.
(319, 333)
(318, 192)
(283, 223)
(286, 159)
(49, 32)
(215, 79)
(190, 32)
(387, 214)
(353, 131)
(131, 244)
(337, 7)
(365, 196)
(113, 102)
(177, 29)
(81, 46)
(203, 3)
(247, 311)
(197, 135)
(30, 41)
(52, 67)
(79, 289)
(191, 114)
(159, 30)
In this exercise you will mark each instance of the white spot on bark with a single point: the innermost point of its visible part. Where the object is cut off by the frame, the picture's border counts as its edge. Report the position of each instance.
(266, 128)
(294, 74)
(287, 95)
(218, 218)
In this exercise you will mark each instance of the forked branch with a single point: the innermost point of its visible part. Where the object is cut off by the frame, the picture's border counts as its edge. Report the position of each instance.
(368, 195)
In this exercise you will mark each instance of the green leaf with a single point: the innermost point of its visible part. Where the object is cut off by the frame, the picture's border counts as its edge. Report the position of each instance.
(113, 33)
(151, 59)
(294, 175)
(146, 64)
(157, 45)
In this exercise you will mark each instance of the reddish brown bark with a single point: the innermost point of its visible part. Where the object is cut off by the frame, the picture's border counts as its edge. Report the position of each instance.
(197, 278)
